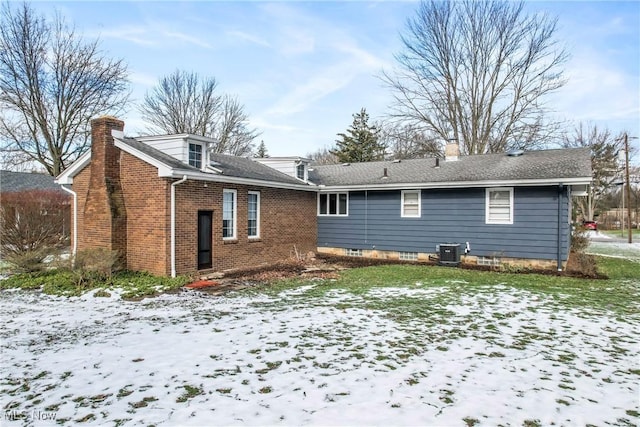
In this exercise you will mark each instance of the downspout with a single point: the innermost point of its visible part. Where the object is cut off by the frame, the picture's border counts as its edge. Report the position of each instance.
(366, 216)
(173, 224)
(75, 223)
(560, 189)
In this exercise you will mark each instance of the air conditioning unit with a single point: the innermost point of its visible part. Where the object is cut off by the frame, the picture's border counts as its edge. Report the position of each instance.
(449, 254)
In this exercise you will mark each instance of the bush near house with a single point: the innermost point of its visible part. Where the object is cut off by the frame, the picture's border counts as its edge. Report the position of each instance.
(32, 225)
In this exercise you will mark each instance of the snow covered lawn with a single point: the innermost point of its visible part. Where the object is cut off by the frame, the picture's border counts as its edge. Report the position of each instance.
(419, 354)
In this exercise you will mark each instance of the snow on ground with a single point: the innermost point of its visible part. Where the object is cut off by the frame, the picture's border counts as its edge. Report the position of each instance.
(604, 245)
(489, 355)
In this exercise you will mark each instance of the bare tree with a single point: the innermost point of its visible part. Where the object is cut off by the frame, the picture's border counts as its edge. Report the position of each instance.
(185, 103)
(52, 83)
(477, 71)
(604, 163)
(323, 156)
(408, 141)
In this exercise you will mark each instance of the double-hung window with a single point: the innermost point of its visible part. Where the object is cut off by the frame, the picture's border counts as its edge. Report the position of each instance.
(195, 155)
(301, 170)
(499, 205)
(229, 213)
(253, 214)
(333, 204)
(410, 204)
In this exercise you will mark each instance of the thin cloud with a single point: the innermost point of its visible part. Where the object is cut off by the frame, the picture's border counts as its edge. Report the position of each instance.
(249, 37)
(262, 123)
(143, 79)
(135, 35)
(187, 38)
(598, 90)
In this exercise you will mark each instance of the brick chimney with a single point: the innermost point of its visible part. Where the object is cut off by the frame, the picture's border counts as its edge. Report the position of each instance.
(105, 218)
(451, 151)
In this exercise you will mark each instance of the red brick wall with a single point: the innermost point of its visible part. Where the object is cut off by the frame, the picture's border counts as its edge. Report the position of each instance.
(146, 198)
(287, 219)
(104, 211)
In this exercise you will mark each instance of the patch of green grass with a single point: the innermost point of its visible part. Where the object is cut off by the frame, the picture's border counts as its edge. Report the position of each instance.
(617, 293)
(143, 403)
(86, 418)
(190, 393)
(124, 392)
(470, 422)
(618, 269)
(618, 233)
(67, 283)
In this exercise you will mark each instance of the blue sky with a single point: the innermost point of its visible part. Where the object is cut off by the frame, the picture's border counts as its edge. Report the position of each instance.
(303, 68)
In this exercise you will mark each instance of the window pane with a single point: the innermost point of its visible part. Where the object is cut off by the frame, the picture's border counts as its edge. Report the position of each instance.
(500, 205)
(342, 205)
(252, 215)
(500, 198)
(228, 208)
(323, 204)
(300, 171)
(195, 155)
(411, 210)
(333, 200)
(411, 198)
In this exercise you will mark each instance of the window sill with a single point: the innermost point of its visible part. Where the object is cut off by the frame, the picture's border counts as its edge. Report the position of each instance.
(229, 241)
(255, 239)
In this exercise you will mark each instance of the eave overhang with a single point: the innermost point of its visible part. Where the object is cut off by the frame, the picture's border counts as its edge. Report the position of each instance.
(457, 184)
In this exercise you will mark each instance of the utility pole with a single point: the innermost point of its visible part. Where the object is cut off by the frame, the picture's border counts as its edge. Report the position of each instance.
(628, 193)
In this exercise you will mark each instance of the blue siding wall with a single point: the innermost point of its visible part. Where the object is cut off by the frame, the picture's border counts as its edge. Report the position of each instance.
(452, 216)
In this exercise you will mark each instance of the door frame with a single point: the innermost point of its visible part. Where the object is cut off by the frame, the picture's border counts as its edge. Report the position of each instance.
(199, 248)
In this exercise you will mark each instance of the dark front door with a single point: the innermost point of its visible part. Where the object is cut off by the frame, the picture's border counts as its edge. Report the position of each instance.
(204, 239)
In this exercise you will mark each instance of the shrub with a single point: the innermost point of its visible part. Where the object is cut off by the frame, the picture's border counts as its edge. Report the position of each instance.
(579, 240)
(32, 226)
(97, 260)
(27, 261)
(585, 264)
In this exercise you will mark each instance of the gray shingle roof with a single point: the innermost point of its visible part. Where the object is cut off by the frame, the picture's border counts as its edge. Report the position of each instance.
(21, 181)
(242, 167)
(232, 166)
(544, 164)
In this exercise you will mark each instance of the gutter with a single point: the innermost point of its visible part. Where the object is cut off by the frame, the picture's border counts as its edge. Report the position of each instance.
(450, 184)
(173, 224)
(75, 223)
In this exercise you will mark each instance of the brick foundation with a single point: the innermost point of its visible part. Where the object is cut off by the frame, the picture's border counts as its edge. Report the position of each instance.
(465, 259)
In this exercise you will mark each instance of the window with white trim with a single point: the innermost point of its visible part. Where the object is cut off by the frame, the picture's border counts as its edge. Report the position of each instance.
(499, 205)
(229, 213)
(195, 155)
(353, 252)
(253, 214)
(301, 171)
(408, 256)
(410, 204)
(333, 204)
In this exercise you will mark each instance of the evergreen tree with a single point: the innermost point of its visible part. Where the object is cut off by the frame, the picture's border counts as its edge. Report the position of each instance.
(261, 151)
(360, 143)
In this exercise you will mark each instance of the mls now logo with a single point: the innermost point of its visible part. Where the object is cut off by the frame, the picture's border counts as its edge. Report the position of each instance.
(35, 415)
